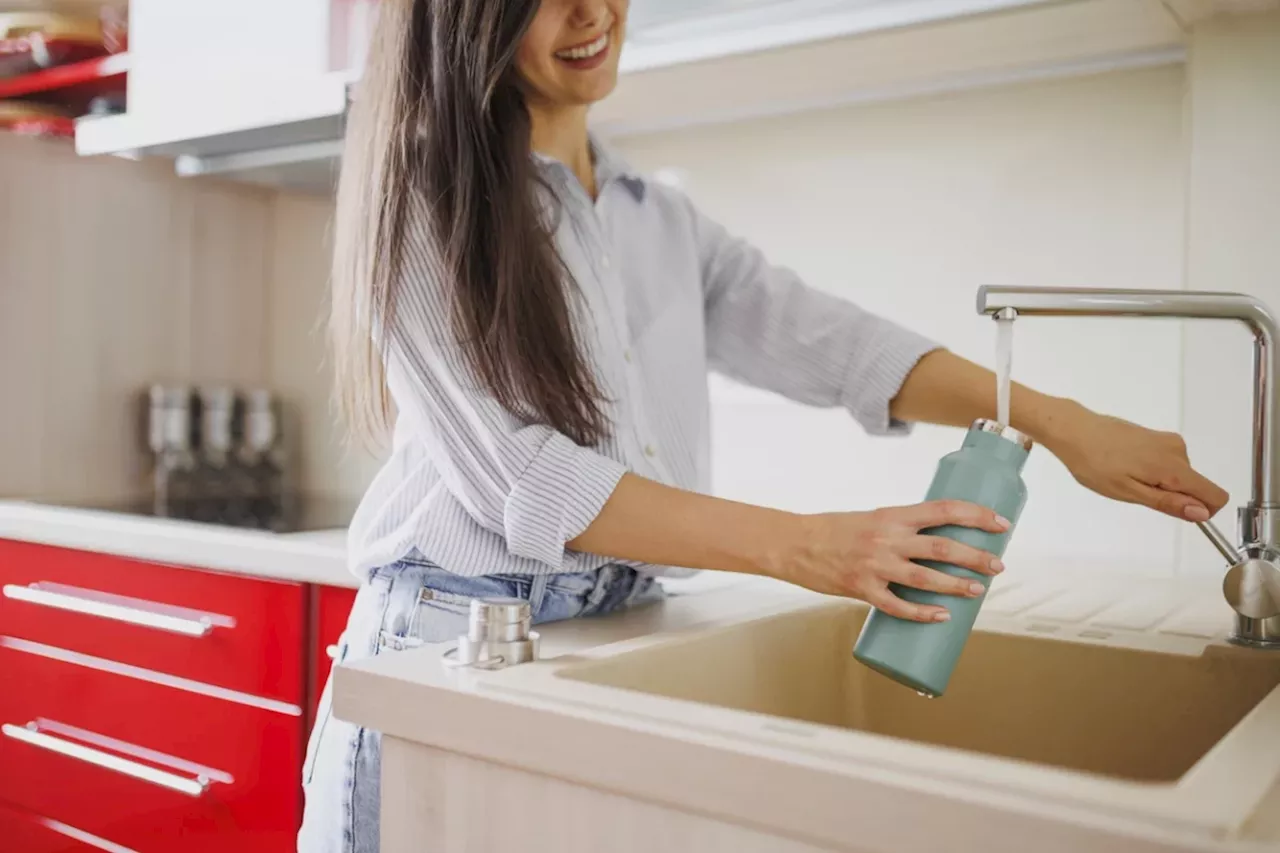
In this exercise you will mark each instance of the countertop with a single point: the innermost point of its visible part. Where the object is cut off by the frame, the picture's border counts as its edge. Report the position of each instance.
(985, 803)
(318, 556)
(312, 557)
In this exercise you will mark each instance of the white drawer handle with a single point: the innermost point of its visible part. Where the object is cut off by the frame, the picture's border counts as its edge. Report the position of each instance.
(32, 735)
(332, 651)
(121, 608)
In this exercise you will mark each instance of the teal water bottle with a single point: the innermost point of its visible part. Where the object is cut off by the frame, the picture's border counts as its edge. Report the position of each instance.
(986, 470)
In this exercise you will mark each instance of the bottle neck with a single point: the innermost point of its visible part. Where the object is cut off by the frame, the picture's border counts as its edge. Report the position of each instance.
(993, 445)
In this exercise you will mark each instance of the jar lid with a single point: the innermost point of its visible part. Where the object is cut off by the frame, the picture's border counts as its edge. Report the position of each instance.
(499, 610)
(1008, 433)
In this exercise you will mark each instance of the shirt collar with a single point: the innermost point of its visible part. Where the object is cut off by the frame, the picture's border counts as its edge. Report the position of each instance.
(609, 167)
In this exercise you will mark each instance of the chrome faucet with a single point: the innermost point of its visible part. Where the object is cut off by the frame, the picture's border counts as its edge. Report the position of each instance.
(1252, 582)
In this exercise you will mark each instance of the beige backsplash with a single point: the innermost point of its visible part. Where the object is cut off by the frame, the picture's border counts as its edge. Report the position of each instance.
(297, 359)
(115, 274)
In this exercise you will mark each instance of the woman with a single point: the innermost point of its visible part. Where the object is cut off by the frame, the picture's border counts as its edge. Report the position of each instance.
(543, 317)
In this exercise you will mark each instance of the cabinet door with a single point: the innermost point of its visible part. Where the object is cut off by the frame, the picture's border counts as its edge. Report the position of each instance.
(190, 56)
(243, 634)
(23, 831)
(150, 763)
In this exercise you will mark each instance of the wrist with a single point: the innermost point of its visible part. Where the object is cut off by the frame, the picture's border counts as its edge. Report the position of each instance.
(1052, 422)
(777, 543)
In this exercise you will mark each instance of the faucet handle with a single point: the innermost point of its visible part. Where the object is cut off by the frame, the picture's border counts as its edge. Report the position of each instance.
(1252, 588)
(1221, 542)
(1252, 583)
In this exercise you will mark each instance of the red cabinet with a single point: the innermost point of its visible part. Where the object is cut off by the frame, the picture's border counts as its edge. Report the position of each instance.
(24, 831)
(333, 605)
(160, 709)
(146, 763)
(235, 632)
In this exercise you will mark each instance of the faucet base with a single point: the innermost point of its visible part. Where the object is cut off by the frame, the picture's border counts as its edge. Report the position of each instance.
(1256, 633)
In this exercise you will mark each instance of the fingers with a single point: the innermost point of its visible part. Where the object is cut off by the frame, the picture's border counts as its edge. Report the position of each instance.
(959, 513)
(1176, 504)
(885, 601)
(947, 551)
(921, 577)
(1192, 483)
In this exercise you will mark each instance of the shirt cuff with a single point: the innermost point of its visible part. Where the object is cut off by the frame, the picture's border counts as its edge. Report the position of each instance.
(876, 374)
(558, 496)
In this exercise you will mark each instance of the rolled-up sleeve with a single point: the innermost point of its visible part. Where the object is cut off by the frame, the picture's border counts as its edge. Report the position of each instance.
(527, 482)
(767, 328)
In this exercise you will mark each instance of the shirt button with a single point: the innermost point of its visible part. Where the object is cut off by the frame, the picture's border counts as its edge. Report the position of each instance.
(626, 356)
(650, 450)
(604, 261)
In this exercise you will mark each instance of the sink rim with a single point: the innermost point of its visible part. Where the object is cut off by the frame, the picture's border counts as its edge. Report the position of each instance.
(1215, 797)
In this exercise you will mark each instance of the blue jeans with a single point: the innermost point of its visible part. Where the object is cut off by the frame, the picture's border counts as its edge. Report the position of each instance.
(416, 600)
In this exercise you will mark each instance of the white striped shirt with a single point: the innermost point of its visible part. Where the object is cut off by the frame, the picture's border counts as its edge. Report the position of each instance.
(667, 294)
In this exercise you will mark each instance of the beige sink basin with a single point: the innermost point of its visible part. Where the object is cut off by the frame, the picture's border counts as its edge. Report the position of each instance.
(1121, 712)
(1087, 713)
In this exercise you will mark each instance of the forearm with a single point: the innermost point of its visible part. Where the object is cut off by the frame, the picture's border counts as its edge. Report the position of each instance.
(653, 523)
(946, 389)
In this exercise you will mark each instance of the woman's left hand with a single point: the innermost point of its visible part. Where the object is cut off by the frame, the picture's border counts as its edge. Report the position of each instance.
(1121, 460)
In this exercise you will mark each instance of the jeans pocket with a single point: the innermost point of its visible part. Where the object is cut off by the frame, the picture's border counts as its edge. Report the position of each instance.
(573, 584)
(448, 603)
(567, 596)
(441, 616)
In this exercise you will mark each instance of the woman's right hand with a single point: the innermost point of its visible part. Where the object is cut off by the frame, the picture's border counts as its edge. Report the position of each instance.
(858, 554)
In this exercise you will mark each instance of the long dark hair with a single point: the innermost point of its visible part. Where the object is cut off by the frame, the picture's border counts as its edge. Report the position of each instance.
(439, 124)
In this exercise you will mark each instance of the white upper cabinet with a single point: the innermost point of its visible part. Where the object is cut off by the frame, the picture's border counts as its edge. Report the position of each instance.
(211, 80)
(258, 90)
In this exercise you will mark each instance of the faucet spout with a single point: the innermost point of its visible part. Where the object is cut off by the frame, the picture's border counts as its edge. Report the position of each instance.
(1183, 304)
(1260, 519)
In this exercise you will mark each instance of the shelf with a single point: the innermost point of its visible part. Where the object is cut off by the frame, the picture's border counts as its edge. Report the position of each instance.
(282, 116)
(61, 77)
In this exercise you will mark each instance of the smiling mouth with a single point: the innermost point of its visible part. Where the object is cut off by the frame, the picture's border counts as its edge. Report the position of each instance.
(590, 50)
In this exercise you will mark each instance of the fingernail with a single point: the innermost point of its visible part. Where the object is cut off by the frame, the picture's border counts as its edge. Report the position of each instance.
(996, 565)
(976, 589)
(942, 616)
(1196, 513)
(1002, 522)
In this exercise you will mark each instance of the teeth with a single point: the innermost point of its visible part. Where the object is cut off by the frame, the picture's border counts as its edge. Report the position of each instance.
(586, 51)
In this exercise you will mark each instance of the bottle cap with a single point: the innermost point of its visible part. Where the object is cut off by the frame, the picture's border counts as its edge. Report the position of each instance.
(1008, 433)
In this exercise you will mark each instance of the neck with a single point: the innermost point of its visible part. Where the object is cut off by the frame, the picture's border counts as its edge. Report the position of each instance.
(561, 134)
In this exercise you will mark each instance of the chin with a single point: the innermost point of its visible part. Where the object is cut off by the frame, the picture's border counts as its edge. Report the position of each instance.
(597, 91)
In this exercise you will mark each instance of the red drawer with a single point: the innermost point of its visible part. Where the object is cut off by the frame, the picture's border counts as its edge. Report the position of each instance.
(27, 832)
(240, 633)
(333, 606)
(149, 766)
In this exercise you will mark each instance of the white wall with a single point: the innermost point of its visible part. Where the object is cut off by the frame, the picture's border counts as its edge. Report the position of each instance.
(907, 208)
(114, 275)
(1233, 242)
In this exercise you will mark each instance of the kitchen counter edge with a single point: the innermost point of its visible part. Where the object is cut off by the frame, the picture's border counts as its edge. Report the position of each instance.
(318, 557)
